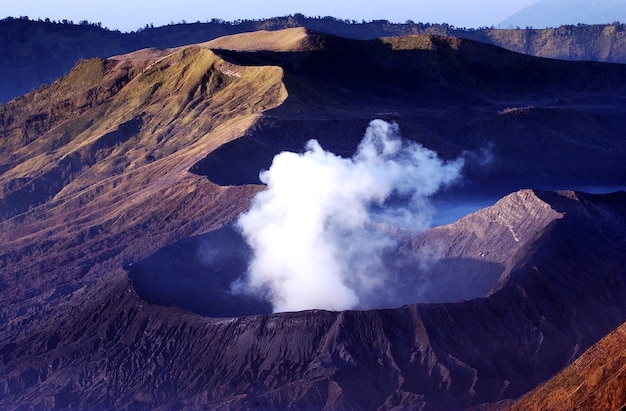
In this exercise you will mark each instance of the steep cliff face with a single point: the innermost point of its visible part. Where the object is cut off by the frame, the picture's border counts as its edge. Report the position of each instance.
(475, 255)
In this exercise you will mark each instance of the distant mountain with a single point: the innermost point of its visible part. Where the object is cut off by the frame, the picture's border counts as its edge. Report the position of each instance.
(116, 178)
(555, 13)
(38, 52)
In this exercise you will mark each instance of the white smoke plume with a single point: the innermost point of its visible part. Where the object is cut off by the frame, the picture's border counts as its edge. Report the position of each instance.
(321, 231)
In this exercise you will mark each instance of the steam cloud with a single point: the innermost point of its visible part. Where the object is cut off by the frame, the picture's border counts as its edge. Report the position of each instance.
(322, 230)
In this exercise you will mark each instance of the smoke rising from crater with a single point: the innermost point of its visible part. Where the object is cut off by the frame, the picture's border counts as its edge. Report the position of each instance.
(322, 229)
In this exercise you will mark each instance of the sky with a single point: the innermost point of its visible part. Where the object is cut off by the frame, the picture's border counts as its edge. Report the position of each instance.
(125, 15)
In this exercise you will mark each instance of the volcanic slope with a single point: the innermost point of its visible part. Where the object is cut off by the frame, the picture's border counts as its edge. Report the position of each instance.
(470, 259)
(595, 381)
(106, 348)
(98, 162)
(38, 52)
(95, 174)
(543, 123)
(94, 168)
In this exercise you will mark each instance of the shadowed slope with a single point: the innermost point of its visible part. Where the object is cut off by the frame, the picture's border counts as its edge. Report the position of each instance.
(196, 274)
(471, 258)
(95, 175)
(531, 117)
(37, 52)
(441, 356)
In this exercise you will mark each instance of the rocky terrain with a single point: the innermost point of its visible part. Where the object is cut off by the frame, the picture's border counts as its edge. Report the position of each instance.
(596, 380)
(129, 354)
(38, 52)
(119, 180)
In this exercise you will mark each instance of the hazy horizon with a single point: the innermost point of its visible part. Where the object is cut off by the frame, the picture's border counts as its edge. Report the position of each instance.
(131, 16)
(554, 13)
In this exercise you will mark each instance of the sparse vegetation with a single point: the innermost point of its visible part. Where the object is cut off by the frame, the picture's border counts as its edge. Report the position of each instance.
(596, 380)
(109, 164)
(37, 52)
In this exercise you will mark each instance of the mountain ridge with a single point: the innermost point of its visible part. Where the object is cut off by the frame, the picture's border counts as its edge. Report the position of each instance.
(411, 356)
(116, 170)
(114, 135)
(60, 45)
